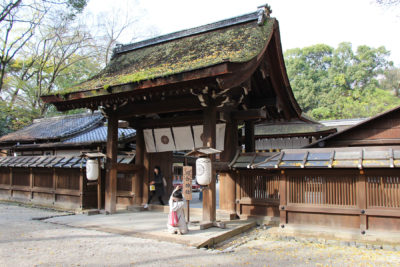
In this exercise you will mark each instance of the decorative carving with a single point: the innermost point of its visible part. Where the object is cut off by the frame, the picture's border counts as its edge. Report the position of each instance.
(264, 12)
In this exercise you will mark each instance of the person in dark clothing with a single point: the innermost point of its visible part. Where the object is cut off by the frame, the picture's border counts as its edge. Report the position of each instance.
(159, 187)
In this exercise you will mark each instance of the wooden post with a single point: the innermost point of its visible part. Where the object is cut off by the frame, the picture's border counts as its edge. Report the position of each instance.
(249, 136)
(31, 182)
(54, 186)
(209, 140)
(138, 176)
(227, 192)
(227, 184)
(81, 188)
(362, 200)
(283, 198)
(111, 166)
(11, 182)
(145, 176)
(99, 185)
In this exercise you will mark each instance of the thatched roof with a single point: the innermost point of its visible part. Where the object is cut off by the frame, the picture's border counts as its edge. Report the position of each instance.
(233, 40)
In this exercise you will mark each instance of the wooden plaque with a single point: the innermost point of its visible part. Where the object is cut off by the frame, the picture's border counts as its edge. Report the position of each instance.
(187, 182)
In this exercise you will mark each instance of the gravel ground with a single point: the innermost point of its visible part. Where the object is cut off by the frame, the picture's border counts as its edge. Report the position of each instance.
(27, 242)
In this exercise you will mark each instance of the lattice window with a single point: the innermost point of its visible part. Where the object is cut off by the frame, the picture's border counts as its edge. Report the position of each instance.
(259, 186)
(323, 190)
(383, 191)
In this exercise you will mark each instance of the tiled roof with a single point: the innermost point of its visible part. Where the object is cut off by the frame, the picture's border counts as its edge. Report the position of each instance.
(53, 161)
(354, 157)
(297, 127)
(100, 135)
(55, 128)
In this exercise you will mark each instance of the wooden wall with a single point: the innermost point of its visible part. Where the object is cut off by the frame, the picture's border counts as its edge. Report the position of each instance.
(384, 130)
(339, 198)
(57, 187)
(358, 199)
(257, 193)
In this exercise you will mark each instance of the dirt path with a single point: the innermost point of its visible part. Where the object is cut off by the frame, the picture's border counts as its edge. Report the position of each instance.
(27, 242)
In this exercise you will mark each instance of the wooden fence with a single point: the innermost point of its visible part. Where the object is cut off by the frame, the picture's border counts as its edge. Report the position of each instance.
(349, 198)
(257, 193)
(59, 187)
(65, 188)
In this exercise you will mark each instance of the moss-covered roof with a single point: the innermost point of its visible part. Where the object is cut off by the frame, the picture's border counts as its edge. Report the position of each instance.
(236, 43)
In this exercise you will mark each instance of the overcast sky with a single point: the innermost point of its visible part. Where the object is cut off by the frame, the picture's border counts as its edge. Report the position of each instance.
(302, 23)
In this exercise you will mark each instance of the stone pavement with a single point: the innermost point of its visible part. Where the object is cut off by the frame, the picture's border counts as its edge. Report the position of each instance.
(152, 225)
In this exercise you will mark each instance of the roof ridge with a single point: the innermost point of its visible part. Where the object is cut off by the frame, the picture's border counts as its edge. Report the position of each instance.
(185, 33)
(61, 117)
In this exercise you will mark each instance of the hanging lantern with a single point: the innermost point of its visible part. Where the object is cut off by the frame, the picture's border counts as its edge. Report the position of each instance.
(92, 169)
(203, 171)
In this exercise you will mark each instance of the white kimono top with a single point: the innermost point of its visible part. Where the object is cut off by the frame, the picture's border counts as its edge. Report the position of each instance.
(179, 208)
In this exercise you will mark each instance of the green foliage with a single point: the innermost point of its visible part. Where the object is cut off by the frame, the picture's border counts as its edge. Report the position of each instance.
(340, 83)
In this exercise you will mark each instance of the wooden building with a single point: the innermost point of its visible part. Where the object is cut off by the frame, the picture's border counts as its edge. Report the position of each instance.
(66, 135)
(275, 136)
(383, 129)
(350, 179)
(230, 72)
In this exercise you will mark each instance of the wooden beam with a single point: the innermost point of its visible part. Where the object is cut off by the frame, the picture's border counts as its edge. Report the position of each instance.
(179, 80)
(168, 105)
(249, 136)
(209, 139)
(250, 114)
(168, 122)
(128, 167)
(111, 166)
(263, 102)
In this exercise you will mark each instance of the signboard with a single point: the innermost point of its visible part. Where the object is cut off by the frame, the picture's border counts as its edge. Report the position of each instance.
(187, 182)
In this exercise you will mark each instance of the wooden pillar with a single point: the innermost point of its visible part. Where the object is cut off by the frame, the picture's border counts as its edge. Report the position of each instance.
(249, 136)
(111, 166)
(283, 198)
(11, 182)
(81, 188)
(227, 187)
(362, 200)
(227, 191)
(54, 186)
(209, 140)
(145, 177)
(99, 198)
(138, 176)
(31, 182)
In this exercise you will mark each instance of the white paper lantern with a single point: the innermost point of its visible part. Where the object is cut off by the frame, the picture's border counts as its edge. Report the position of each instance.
(92, 169)
(203, 171)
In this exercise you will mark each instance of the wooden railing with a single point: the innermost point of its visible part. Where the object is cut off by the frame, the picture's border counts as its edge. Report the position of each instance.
(383, 191)
(259, 185)
(322, 190)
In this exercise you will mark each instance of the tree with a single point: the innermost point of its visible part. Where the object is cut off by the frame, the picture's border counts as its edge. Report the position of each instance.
(339, 83)
(391, 81)
(19, 20)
